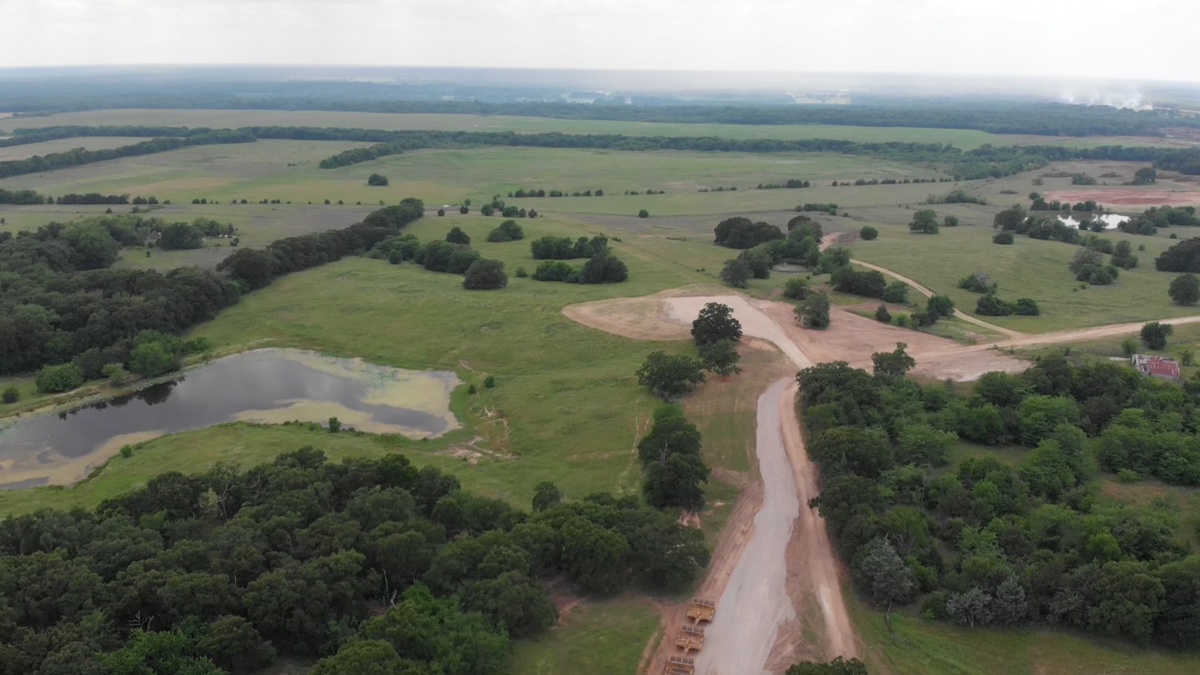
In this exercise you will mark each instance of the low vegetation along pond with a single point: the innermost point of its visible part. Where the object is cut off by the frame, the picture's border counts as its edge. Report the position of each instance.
(265, 386)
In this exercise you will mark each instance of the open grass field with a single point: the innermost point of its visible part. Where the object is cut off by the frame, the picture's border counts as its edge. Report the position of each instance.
(963, 138)
(918, 647)
(287, 170)
(595, 638)
(1028, 268)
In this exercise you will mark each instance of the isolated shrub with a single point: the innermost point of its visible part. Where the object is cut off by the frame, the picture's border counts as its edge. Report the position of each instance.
(813, 312)
(555, 270)
(10, 395)
(1185, 289)
(868, 233)
(736, 273)
(643, 214)
(487, 209)
(116, 374)
(508, 230)
(1026, 307)
(670, 376)
(441, 212)
(977, 282)
(55, 379)
(485, 275)
(721, 357)
(896, 293)
(603, 268)
(902, 320)
(377, 180)
(950, 221)
(1123, 256)
(924, 222)
(795, 288)
(464, 209)
(941, 305)
(715, 323)
(457, 236)
(1154, 335)
(521, 273)
(882, 314)
(1003, 238)
(990, 305)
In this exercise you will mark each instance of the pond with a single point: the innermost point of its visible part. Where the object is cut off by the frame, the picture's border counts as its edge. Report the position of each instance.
(1111, 221)
(265, 386)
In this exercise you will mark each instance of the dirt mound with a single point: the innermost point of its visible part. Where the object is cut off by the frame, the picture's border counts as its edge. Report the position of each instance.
(1147, 197)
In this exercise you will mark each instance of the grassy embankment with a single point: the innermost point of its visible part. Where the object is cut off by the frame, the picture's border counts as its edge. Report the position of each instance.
(1028, 268)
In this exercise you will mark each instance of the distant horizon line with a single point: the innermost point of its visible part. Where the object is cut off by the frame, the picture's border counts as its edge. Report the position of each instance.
(560, 69)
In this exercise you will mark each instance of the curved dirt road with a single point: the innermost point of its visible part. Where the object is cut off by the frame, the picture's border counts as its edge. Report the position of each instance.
(1012, 334)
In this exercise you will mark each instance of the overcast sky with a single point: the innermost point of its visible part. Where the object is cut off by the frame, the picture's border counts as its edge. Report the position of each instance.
(1143, 39)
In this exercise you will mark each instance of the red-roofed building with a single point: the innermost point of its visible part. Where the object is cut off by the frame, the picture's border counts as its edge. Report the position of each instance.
(1157, 366)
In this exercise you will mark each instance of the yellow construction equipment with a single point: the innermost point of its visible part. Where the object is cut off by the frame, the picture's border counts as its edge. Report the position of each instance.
(690, 637)
(702, 610)
(679, 665)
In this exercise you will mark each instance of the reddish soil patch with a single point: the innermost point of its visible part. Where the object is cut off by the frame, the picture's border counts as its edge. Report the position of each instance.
(1149, 197)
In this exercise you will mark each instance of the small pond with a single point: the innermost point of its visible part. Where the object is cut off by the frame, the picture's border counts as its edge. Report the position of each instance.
(1111, 221)
(265, 385)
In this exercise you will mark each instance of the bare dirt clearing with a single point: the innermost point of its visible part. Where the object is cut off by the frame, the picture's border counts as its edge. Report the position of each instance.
(1146, 197)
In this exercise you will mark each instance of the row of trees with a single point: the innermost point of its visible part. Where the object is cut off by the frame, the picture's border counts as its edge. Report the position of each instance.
(60, 303)
(986, 542)
(367, 563)
(80, 156)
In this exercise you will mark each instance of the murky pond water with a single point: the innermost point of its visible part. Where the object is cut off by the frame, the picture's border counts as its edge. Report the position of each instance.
(266, 385)
(1111, 221)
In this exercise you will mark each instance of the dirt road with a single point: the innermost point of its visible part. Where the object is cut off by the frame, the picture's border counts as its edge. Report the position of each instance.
(819, 562)
(756, 602)
(929, 294)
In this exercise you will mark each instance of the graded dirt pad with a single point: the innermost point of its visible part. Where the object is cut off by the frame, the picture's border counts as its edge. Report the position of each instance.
(638, 318)
(853, 339)
(1146, 197)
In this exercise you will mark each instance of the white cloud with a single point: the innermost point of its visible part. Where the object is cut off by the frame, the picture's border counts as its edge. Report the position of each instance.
(1099, 38)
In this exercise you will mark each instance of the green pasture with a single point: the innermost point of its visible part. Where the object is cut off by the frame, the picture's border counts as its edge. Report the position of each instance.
(963, 138)
(287, 171)
(65, 144)
(918, 647)
(1028, 268)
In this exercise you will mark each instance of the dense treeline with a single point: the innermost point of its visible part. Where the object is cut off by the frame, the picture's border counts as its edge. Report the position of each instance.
(80, 156)
(986, 542)
(986, 161)
(254, 268)
(60, 304)
(28, 197)
(367, 559)
(1052, 119)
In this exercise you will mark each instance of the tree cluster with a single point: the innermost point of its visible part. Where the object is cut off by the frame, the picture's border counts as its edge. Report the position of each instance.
(990, 305)
(564, 248)
(984, 542)
(738, 232)
(1182, 257)
(370, 563)
(674, 472)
